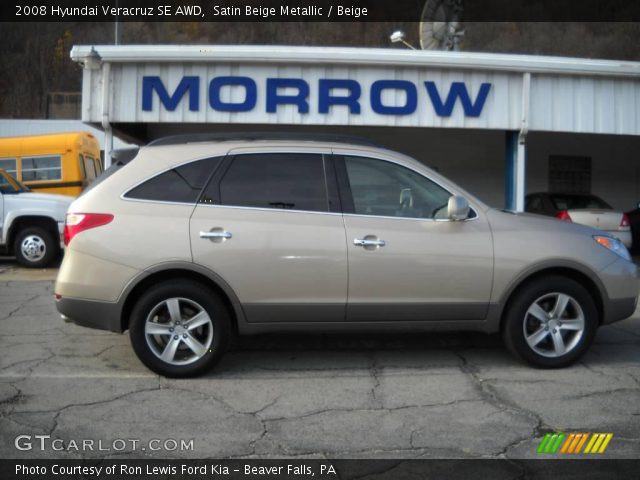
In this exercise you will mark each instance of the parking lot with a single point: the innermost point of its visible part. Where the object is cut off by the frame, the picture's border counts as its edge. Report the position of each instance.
(378, 396)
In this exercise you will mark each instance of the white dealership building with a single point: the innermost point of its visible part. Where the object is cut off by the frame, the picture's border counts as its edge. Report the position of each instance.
(499, 125)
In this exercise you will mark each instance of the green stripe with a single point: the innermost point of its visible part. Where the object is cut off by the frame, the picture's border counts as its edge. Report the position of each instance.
(558, 443)
(550, 443)
(543, 443)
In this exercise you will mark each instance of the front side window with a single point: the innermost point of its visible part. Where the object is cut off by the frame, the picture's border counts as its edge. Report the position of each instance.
(385, 189)
(9, 166)
(287, 181)
(181, 184)
(41, 168)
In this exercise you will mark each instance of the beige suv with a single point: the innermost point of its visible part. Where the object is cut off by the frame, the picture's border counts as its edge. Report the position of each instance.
(196, 238)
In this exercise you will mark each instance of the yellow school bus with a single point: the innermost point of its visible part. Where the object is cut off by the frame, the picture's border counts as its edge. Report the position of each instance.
(62, 163)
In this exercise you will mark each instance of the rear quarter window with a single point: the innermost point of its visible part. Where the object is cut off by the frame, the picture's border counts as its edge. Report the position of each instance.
(181, 184)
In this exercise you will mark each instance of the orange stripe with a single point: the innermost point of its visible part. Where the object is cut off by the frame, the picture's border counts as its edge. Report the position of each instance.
(574, 443)
(567, 442)
(584, 439)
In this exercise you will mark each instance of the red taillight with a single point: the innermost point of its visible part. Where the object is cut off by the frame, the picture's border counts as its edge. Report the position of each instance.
(624, 223)
(563, 215)
(79, 222)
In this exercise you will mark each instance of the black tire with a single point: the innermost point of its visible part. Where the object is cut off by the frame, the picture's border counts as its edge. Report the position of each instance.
(42, 245)
(518, 320)
(192, 295)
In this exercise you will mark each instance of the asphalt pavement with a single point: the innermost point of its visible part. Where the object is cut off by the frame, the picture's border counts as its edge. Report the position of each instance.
(335, 396)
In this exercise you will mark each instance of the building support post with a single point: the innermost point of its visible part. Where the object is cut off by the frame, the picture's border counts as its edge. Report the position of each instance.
(516, 154)
(108, 131)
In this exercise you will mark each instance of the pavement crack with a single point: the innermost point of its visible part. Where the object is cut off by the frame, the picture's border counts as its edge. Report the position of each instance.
(491, 396)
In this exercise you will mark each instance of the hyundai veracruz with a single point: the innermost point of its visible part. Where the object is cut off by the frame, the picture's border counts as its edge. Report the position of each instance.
(196, 238)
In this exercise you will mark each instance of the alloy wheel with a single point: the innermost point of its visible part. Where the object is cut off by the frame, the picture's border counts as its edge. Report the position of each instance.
(554, 324)
(179, 331)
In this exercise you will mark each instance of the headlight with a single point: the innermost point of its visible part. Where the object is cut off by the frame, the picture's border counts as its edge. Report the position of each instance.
(613, 244)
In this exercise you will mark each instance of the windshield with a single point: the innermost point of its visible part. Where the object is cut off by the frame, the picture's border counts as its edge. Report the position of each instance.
(8, 184)
(577, 202)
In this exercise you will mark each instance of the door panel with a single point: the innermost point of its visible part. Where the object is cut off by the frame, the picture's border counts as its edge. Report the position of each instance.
(283, 266)
(268, 227)
(426, 270)
(407, 261)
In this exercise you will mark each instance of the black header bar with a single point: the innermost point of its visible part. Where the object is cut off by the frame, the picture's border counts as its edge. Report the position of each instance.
(312, 10)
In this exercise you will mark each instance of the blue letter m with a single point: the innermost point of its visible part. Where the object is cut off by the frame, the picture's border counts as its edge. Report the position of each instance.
(170, 102)
(458, 89)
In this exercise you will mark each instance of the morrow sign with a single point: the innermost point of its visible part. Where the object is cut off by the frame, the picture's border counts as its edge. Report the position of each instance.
(331, 92)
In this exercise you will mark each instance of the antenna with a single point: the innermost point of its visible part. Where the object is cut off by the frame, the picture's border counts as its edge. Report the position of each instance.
(440, 26)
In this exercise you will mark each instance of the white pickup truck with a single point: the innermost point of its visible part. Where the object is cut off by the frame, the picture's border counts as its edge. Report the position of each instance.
(31, 224)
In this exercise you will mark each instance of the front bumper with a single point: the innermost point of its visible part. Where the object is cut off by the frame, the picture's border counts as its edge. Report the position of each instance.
(61, 234)
(91, 313)
(621, 280)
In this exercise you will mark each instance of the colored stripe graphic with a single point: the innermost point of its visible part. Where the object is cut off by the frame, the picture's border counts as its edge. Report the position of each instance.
(550, 443)
(574, 442)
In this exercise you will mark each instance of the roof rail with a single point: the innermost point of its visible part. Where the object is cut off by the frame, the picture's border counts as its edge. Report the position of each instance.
(256, 136)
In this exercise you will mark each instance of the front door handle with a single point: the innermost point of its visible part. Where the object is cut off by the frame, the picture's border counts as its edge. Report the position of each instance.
(367, 242)
(216, 233)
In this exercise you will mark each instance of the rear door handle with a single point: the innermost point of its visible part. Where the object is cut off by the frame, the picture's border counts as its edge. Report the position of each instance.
(364, 242)
(216, 234)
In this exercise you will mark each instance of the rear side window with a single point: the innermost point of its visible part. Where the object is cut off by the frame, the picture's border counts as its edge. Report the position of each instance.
(287, 181)
(181, 184)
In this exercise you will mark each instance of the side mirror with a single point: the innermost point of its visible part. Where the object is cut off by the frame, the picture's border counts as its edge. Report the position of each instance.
(458, 208)
(638, 204)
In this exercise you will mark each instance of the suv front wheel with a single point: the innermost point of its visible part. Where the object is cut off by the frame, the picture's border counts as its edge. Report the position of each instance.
(179, 328)
(551, 322)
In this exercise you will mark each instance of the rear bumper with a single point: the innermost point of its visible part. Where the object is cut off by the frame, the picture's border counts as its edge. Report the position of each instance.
(91, 313)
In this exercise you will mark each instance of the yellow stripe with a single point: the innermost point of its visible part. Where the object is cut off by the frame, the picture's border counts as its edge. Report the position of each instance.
(566, 443)
(596, 446)
(591, 442)
(605, 443)
(584, 439)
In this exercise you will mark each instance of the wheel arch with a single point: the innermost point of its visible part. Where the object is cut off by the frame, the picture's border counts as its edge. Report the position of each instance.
(583, 276)
(173, 271)
(25, 221)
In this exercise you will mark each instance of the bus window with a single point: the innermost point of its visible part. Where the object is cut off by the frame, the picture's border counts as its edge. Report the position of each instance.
(83, 171)
(9, 166)
(41, 168)
(89, 167)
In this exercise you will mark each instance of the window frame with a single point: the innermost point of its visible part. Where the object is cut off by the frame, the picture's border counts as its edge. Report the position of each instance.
(346, 195)
(49, 155)
(331, 189)
(223, 158)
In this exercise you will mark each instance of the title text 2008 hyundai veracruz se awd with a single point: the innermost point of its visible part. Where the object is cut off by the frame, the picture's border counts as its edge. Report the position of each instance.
(194, 238)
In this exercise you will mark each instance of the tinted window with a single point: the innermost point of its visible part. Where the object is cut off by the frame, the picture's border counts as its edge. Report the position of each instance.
(181, 184)
(291, 181)
(533, 204)
(386, 189)
(41, 168)
(573, 202)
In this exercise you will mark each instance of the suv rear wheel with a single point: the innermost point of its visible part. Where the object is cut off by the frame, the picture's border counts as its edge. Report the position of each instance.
(179, 328)
(35, 247)
(551, 322)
